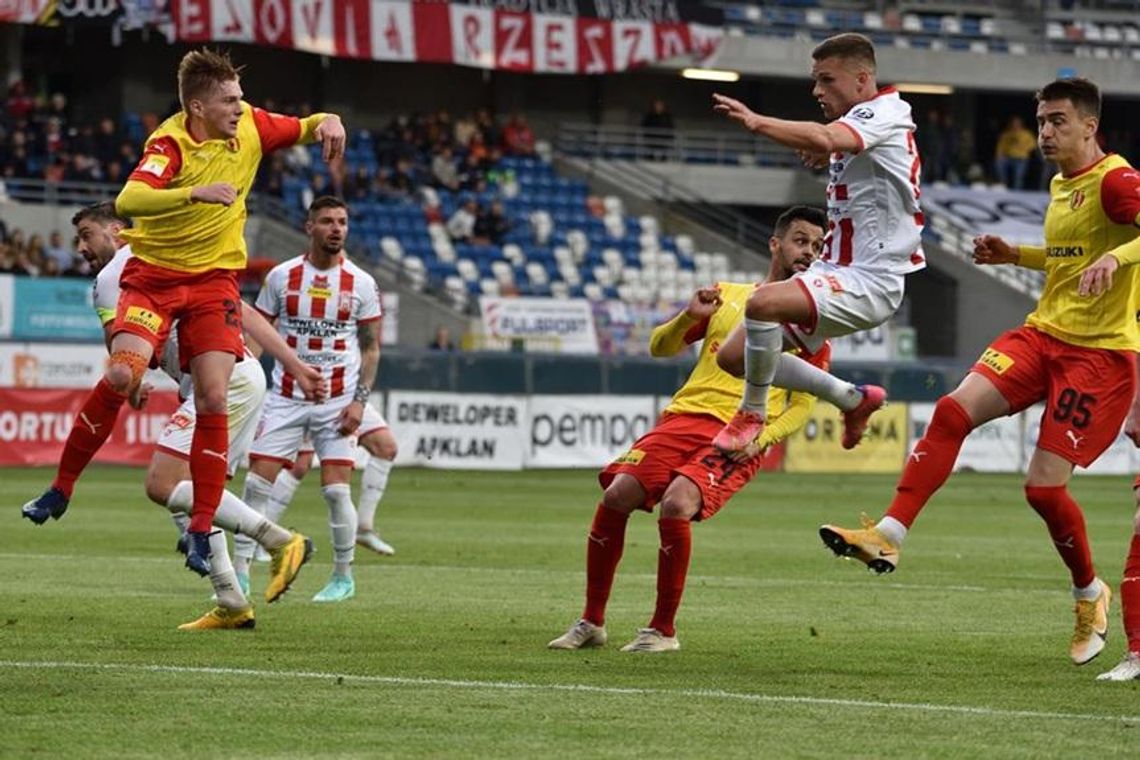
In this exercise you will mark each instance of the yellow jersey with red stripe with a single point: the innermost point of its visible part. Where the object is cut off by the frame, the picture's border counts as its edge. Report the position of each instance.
(1090, 213)
(171, 231)
(711, 390)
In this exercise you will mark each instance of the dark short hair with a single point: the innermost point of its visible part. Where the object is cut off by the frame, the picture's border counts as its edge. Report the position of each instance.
(326, 201)
(809, 214)
(1083, 94)
(849, 46)
(101, 213)
(199, 71)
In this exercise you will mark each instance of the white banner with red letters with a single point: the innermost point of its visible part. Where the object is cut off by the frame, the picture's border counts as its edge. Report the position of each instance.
(539, 36)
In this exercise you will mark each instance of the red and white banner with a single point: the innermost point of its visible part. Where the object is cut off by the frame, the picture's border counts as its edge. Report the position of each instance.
(583, 38)
(34, 423)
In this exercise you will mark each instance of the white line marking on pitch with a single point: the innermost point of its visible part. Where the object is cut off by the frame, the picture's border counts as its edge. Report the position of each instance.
(724, 579)
(451, 683)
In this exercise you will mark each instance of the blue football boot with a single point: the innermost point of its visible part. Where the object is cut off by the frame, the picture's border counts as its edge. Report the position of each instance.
(51, 503)
(198, 558)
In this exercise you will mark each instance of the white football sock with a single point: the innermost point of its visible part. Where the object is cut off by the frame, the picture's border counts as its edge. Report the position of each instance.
(342, 525)
(283, 491)
(222, 576)
(372, 485)
(256, 496)
(181, 519)
(795, 374)
(763, 344)
(892, 530)
(233, 515)
(1089, 592)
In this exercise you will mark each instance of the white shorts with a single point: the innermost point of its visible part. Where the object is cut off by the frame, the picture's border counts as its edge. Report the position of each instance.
(369, 423)
(844, 300)
(243, 405)
(286, 424)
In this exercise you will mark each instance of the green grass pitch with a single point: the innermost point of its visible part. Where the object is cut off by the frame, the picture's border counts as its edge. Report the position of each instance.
(786, 651)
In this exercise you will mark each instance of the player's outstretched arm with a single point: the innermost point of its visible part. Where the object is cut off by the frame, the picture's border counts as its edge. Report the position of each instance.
(310, 380)
(669, 338)
(991, 249)
(808, 136)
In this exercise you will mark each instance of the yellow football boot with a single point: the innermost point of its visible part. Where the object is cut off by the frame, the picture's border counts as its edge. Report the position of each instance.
(286, 563)
(1091, 631)
(221, 618)
(866, 544)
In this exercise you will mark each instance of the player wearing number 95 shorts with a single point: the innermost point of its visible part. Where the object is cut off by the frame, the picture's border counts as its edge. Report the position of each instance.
(1075, 352)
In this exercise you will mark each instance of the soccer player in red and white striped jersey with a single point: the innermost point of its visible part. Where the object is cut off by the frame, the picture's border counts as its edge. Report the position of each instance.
(873, 240)
(328, 311)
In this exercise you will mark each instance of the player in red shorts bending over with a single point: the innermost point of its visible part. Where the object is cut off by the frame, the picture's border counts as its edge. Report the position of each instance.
(675, 462)
(187, 197)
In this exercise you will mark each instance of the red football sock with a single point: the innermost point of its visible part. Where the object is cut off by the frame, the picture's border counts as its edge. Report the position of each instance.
(1066, 525)
(92, 427)
(1130, 595)
(672, 567)
(209, 460)
(932, 460)
(603, 552)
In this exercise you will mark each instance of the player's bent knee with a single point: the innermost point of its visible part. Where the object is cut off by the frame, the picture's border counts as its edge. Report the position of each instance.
(211, 401)
(682, 500)
(621, 499)
(381, 445)
(158, 487)
(125, 370)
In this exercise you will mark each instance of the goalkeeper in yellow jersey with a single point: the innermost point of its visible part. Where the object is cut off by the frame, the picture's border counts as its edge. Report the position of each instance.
(675, 463)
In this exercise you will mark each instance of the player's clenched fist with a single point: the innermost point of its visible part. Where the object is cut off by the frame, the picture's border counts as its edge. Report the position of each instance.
(704, 303)
(990, 249)
(221, 193)
(330, 133)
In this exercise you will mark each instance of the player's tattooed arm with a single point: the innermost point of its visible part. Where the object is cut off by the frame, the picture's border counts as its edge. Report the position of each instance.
(368, 335)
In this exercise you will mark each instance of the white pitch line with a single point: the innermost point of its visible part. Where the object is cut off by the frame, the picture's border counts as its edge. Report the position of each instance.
(451, 683)
(724, 579)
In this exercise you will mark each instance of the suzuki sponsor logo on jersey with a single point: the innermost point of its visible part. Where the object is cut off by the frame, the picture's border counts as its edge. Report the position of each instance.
(1064, 251)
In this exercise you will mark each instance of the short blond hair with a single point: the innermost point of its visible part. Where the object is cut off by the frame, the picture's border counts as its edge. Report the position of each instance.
(848, 46)
(202, 70)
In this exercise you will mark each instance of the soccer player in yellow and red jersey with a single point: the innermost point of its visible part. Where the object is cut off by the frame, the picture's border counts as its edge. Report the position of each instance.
(1074, 352)
(675, 463)
(187, 197)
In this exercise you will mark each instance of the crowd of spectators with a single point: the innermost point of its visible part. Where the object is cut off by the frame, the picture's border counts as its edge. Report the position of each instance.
(33, 256)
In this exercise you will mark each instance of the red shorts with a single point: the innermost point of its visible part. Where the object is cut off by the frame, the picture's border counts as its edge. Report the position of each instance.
(681, 444)
(1087, 391)
(206, 305)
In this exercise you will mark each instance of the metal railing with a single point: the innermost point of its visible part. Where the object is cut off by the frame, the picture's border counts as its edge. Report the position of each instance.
(731, 148)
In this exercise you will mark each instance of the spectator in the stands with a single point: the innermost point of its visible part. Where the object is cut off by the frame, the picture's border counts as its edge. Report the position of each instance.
(492, 134)
(518, 137)
(1011, 156)
(317, 187)
(492, 225)
(57, 251)
(444, 171)
(107, 142)
(403, 180)
(657, 124)
(442, 340)
(472, 176)
(20, 104)
(461, 225)
(9, 261)
(465, 129)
